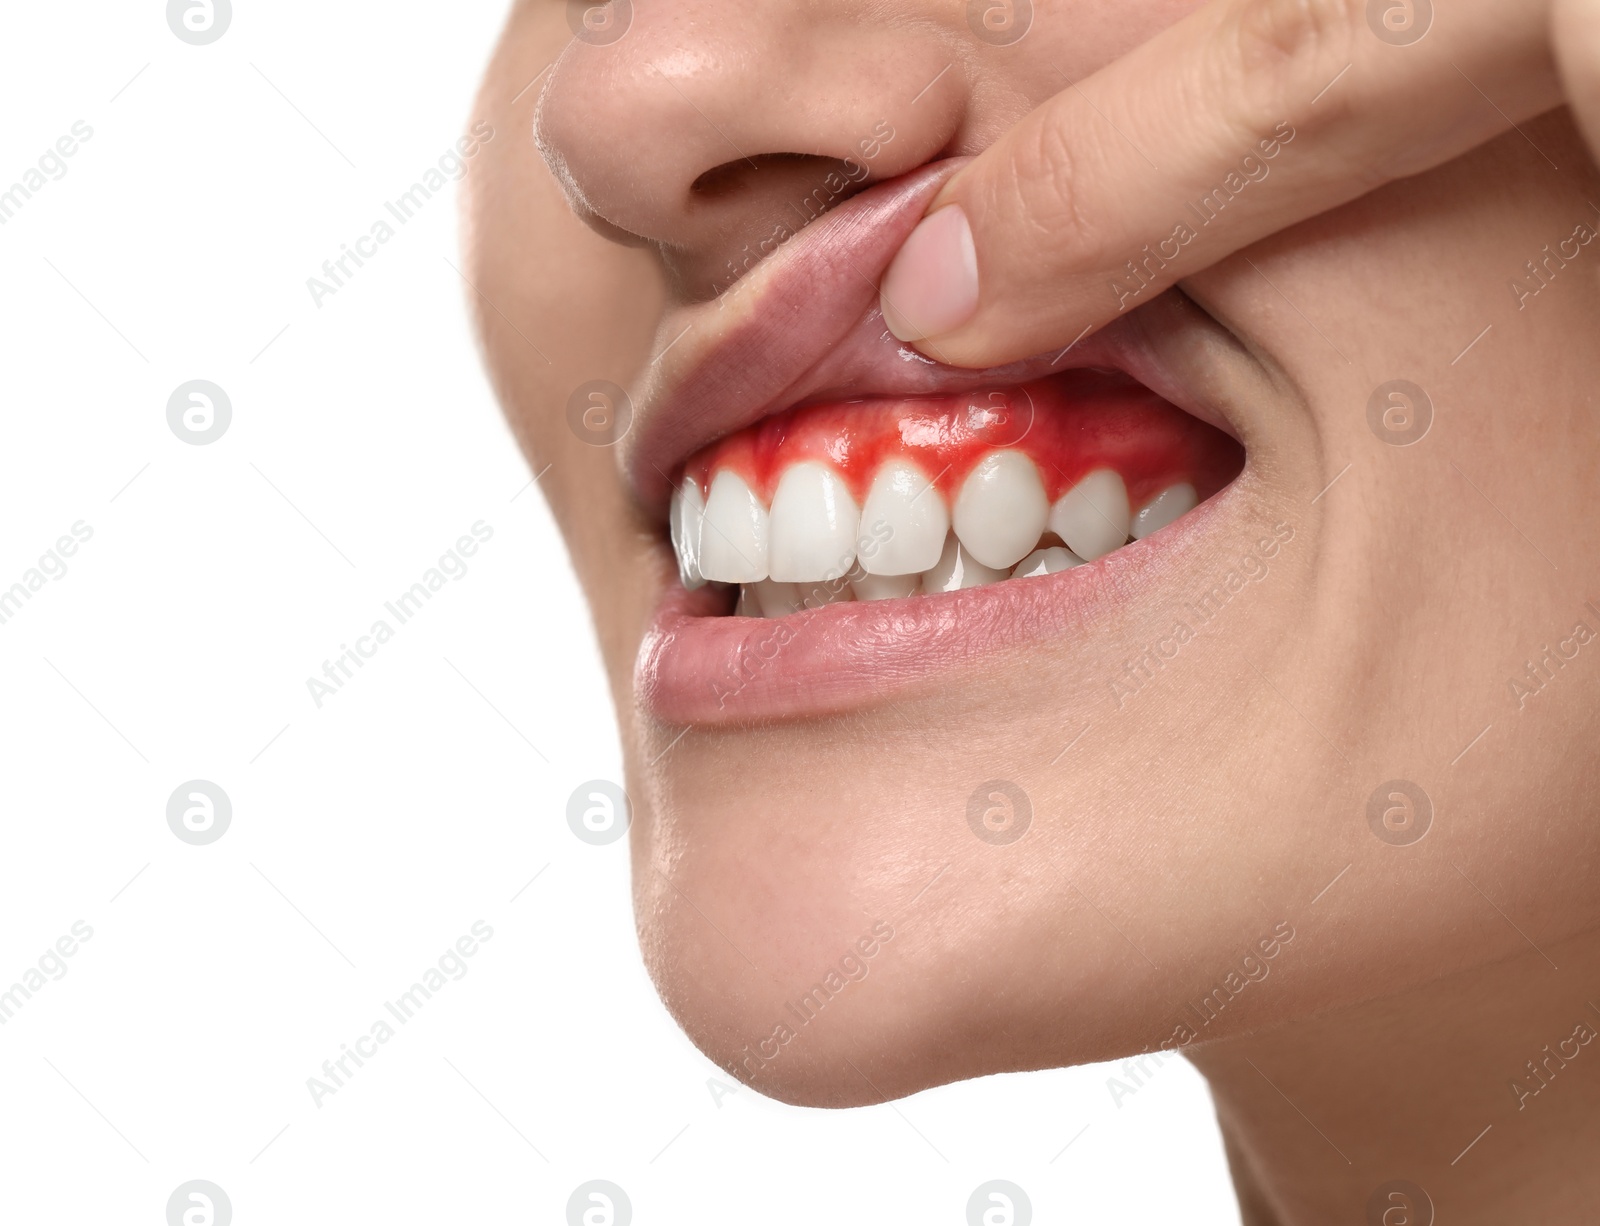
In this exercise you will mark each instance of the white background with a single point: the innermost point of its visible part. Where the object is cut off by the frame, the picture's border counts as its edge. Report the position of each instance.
(369, 834)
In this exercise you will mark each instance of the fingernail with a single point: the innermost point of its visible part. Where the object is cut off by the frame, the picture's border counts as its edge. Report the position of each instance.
(932, 286)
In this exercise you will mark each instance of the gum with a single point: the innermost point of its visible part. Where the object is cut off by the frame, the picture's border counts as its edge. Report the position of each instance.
(1069, 425)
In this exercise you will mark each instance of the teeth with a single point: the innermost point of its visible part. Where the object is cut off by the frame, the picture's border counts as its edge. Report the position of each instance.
(903, 506)
(688, 507)
(776, 599)
(814, 524)
(770, 598)
(824, 591)
(1001, 510)
(803, 553)
(1093, 517)
(1046, 562)
(733, 536)
(885, 587)
(957, 569)
(1161, 510)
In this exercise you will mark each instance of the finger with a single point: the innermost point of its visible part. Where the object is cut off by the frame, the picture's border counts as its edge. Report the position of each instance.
(1575, 35)
(1240, 120)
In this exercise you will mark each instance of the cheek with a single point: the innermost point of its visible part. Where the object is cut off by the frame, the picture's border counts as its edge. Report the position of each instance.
(558, 307)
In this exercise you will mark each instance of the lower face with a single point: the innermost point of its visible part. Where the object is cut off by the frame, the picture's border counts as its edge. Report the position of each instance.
(989, 731)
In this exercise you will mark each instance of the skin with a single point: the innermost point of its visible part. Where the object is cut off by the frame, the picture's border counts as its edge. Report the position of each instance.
(1217, 803)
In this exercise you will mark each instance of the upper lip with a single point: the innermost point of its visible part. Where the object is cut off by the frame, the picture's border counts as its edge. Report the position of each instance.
(804, 324)
(724, 363)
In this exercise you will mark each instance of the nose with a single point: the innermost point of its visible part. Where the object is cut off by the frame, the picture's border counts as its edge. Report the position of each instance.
(709, 123)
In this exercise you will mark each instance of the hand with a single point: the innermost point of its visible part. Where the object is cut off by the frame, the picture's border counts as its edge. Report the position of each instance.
(1244, 118)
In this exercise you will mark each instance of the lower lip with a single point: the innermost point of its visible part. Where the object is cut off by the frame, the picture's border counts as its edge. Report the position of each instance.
(698, 667)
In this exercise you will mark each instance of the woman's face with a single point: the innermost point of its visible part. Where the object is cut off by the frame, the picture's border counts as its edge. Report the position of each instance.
(1326, 736)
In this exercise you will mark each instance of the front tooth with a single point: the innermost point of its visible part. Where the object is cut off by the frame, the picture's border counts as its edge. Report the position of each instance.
(814, 524)
(885, 587)
(1093, 516)
(776, 599)
(747, 606)
(1001, 510)
(1046, 562)
(688, 507)
(908, 519)
(958, 569)
(1165, 507)
(733, 532)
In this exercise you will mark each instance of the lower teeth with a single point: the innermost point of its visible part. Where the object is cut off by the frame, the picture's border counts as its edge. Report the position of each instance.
(957, 569)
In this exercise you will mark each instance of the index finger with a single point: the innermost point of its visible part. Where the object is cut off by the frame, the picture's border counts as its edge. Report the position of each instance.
(1243, 118)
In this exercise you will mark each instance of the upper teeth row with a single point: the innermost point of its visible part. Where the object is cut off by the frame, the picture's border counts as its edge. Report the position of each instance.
(814, 530)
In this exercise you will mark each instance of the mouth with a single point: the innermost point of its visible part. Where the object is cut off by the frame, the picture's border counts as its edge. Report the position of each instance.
(848, 518)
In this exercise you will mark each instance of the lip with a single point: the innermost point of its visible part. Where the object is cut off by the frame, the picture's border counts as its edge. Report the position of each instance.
(724, 363)
(803, 325)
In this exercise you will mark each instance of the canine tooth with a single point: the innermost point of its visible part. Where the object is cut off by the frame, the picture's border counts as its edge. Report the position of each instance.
(958, 569)
(1001, 510)
(1093, 516)
(885, 587)
(814, 524)
(776, 599)
(903, 507)
(733, 533)
(1165, 507)
(688, 508)
(1046, 562)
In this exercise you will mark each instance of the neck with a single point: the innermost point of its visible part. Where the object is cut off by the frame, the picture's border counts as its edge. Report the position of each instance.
(1482, 1090)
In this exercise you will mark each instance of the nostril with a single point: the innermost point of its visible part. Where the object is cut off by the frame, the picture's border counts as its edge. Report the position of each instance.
(802, 171)
(730, 177)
